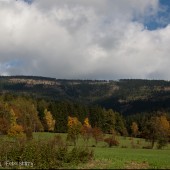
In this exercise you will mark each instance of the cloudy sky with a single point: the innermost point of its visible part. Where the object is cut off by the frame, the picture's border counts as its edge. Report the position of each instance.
(85, 39)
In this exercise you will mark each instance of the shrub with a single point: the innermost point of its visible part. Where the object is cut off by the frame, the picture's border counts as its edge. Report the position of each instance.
(147, 147)
(162, 142)
(29, 133)
(53, 153)
(97, 134)
(124, 146)
(111, 142)
(78, 155)
(138, 142)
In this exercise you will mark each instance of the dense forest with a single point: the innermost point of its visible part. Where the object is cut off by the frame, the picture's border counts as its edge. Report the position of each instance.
(32, 104)
(31, 113)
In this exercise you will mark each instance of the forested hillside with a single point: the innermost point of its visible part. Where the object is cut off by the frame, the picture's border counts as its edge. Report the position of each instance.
(127, 96)
(129, 107)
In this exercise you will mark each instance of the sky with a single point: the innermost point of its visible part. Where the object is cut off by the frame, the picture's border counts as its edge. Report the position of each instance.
(85, 39)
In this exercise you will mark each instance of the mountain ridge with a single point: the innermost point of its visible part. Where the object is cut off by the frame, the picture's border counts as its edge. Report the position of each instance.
(125, 95)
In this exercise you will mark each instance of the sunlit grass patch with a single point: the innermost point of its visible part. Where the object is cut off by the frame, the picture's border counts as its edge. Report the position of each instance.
(137, 165)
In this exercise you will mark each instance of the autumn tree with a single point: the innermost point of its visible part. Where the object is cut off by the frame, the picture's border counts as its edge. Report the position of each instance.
(163, 131)
(15, 130)
(112, 141)
(74, 129)
(157, 129)
(86, 130)
(13, 117)
(97, 134)
(49, 121)
(4, 126)
(134, 128)
(5, 117)
(27, 115)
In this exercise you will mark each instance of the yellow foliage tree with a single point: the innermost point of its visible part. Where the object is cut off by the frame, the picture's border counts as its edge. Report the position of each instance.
(134, 128)
(165, 126)
(86, 123)
(15, 130)
(86, 130)
(74, 129)
(13, 117)
(49, 121)
(163, 131)
(158, 129)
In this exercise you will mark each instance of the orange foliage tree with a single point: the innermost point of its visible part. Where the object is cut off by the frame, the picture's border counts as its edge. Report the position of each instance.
(86, 130)
(112, 141)
(97, 134)
(163, 131)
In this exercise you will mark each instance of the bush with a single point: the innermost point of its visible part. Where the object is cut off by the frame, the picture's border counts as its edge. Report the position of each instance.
(147, 147)
(79, 155)
(29, 134)
(43, 154)
(124, 146)
(162, 142)
(111, 142)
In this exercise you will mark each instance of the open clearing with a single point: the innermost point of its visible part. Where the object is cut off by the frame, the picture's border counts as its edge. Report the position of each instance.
(122, 158)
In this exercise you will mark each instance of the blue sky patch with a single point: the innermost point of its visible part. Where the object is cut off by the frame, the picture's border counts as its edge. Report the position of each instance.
(161, 19)
(13, 63)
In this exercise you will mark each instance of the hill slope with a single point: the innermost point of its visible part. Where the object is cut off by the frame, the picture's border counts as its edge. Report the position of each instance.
(126, 96)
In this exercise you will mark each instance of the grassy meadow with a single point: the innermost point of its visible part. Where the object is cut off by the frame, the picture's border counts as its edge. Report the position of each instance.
(124, 156)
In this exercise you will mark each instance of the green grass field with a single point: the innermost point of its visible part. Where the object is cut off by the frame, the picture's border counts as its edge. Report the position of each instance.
(143, 158)
(119, 157)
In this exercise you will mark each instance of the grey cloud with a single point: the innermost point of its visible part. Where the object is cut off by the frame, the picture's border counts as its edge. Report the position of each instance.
(82, 39)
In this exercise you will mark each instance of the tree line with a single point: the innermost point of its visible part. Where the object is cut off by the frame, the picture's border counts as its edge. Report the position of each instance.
(22, 115)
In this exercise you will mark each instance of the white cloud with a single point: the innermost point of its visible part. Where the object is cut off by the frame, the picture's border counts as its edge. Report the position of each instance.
(82, 39)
